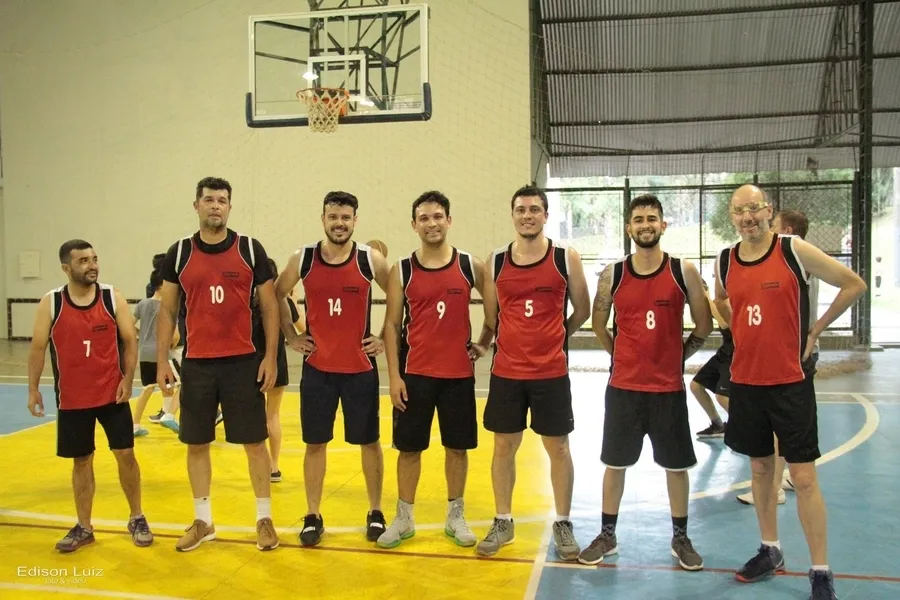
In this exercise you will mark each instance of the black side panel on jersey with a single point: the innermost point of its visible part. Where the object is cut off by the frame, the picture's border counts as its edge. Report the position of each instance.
(245, 247)
(724, 263)
(57, 300)
(106, 295)
(467, 268)
(676, 266)
(306, 260)
(499, 260)
(802, 286)
(559, 257)
(617, 274)
(185, 245)
(364, 258)
(405, 272)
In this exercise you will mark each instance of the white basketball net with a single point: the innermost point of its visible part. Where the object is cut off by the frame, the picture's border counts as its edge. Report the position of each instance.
(325, 106)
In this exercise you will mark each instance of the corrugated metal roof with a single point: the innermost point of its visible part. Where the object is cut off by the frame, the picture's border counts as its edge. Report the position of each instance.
(688, 41)
(737, 162)
(567, 9)
(887, 28)
(633, 90)
(595, 98)
(664, 138)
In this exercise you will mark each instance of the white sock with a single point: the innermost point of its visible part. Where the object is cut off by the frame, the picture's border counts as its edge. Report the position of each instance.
(263, 508)
(823, 568)
(167, 404)
(407, 507)
(505, 517)
(560, 518)
(203, 510)
(775, 544)
(136, 426)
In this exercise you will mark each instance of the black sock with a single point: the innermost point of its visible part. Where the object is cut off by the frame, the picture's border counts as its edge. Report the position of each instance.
(679, 526)
(609, 524)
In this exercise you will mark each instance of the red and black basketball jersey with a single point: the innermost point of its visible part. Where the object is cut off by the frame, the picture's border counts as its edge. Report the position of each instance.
(648, 324)
(531, 326)
(769, 313)
(436, 326)
(338, 308)
(85, 349)
(218, 282)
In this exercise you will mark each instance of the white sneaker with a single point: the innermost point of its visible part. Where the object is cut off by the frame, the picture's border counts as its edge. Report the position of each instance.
(402, 528)
(456, 526)
(787, 484)
(748, 498)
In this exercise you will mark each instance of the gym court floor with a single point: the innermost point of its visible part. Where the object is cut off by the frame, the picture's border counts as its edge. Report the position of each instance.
(859, 416)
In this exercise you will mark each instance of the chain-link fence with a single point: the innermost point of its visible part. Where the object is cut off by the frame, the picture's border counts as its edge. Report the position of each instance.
(699, 225)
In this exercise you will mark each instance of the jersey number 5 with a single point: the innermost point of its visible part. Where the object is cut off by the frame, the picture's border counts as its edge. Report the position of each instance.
(529, 308)
(754, 316)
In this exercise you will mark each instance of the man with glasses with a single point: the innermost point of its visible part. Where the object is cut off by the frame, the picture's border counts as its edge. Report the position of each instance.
(762, 288)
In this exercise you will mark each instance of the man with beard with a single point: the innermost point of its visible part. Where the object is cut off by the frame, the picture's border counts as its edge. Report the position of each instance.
(93, 347)
(762, 287)
(427, 338)
(211, 278)
(648, 290)
(340, 350)
(534, 280)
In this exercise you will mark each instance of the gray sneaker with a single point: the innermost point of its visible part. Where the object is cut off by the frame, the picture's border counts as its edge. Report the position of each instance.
(502, 532)
(603, 545)
(683, 550)
(456, 526)
(402, 528)
(564, 540)
(140, 531)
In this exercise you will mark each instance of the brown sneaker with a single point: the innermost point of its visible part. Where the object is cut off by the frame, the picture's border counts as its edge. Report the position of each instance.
(266, 538)
(197, 533)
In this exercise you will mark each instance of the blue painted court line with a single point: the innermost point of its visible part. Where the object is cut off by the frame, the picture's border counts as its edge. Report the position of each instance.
(14, 415)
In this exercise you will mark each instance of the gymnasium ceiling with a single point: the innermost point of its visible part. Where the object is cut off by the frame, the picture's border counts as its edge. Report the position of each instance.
(665, 87)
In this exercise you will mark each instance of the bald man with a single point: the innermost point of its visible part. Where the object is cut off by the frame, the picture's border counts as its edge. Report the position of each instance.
(762, 288)
(792, 222)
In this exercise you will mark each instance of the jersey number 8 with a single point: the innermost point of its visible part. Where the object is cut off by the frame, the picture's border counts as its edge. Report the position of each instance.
(651, 320)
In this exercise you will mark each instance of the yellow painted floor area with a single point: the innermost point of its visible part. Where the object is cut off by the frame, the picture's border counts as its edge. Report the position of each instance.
(36, 494)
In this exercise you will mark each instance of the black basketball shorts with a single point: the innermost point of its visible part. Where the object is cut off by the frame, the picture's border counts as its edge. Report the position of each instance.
(715, 375)
(207, 384)
(454, 400)
(663, 416)
(549, 400)
(75, 429)
(320, 392)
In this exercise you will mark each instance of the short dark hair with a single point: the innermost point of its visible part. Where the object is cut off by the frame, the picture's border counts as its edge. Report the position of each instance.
(156, 280)
(644, 200)
(158, 260)
(274, 267)
(65, 251)
(340, 199)
(796, 220)
(530, 191)
(431, 196)
(213, 183)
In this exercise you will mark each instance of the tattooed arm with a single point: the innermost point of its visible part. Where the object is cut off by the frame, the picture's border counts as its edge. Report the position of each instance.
(602, 308)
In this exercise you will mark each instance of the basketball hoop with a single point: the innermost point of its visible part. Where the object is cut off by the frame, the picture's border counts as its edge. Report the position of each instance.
(325, 106)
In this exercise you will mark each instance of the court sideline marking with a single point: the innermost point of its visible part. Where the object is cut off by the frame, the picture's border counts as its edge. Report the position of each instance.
(26, 587)
(540, 561)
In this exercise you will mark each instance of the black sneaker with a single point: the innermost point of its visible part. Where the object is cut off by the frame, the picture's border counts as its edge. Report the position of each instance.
(375, 525)
(767, 562)
(822, 583)
(313, 528)
(713, 431)
(275, 476)
(155, 418)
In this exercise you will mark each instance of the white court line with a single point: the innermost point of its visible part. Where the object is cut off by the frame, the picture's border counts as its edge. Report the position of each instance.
(49, 589)
(868, 428)
(180, 527)
(540, 561)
